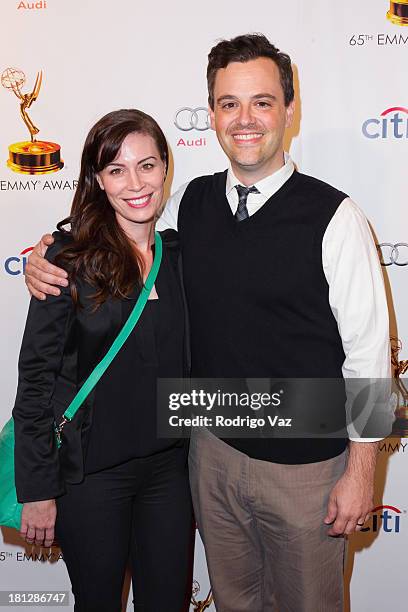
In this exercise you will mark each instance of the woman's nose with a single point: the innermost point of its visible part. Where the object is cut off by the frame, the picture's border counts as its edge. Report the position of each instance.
(135, 181)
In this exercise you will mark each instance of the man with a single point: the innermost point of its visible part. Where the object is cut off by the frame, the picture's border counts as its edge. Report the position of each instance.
(299, 293)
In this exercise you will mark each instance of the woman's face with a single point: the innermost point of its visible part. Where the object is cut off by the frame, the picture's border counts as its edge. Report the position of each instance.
(134, 180)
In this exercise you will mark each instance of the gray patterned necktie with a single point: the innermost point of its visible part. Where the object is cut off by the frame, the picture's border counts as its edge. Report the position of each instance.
(242, 211)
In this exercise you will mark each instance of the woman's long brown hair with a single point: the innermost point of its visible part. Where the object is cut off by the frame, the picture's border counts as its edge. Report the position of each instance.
(101, 254)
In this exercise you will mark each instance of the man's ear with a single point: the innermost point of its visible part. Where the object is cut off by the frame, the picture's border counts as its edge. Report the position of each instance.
(290, 111)
(98, 178)
(212, 118)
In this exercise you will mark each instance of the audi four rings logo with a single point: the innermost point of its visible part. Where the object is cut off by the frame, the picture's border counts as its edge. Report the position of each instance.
(393, 253)
(187, 119)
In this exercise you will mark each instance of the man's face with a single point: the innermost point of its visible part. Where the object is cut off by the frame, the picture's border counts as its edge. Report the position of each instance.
(250, 117)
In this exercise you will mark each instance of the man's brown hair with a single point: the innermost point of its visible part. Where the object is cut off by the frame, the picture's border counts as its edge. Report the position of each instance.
(243, 49)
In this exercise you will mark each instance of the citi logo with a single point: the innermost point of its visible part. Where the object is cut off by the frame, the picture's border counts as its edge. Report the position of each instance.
(387, 518)
(392, 123)
(16, 265)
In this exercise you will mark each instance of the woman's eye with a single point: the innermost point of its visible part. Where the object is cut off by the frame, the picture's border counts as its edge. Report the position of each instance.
(147, 166)
(115, 171)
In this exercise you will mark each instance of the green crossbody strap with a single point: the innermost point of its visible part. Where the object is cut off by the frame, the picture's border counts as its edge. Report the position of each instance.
(120, 339)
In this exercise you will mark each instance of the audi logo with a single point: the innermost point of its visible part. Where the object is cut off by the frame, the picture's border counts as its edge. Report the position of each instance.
(393, 253)
(187, 119)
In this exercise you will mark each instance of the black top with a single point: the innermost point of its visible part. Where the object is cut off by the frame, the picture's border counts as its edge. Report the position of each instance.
(124, 419)
(258, 297)
(61, 346)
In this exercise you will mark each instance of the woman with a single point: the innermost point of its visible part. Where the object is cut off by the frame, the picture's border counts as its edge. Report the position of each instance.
(114, 489)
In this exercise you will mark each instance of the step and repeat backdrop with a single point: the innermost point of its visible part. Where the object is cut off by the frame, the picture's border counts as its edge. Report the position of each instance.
(64, 64)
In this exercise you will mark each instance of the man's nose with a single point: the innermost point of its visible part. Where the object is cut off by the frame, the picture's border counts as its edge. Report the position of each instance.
(245, 114)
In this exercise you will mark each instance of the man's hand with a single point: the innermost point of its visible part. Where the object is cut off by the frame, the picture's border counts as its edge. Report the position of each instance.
(37, 522)
(40, 274)
(351, 499)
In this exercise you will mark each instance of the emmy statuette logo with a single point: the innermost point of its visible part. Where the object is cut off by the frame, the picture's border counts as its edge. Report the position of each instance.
(397, 15)
(33, 156)
(398, 12)
(400, 368)
(200, 606)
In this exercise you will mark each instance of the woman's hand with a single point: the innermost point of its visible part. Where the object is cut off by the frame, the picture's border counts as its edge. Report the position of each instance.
(37, 522)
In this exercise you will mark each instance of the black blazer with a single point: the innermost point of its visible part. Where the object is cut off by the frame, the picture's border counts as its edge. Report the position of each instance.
(61, 346)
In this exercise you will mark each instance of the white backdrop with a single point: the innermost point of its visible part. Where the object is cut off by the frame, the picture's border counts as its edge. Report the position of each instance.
(351, 67)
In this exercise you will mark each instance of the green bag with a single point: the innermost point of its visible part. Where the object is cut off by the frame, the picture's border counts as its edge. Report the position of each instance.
(10, 508)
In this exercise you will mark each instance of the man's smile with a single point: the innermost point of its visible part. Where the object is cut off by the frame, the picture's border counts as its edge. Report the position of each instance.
(247, 138)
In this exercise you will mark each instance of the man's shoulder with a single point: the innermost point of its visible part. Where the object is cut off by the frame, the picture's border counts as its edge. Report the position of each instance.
(316, 186)
(170, 239)
(204, 181)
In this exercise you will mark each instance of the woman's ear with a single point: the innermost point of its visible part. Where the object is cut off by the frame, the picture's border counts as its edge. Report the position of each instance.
(98, 178)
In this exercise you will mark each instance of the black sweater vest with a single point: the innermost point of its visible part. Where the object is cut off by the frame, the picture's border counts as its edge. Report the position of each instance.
(258, 296)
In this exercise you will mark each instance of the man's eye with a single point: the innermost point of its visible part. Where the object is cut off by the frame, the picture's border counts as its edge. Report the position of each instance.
(263, 104)
(228, 105)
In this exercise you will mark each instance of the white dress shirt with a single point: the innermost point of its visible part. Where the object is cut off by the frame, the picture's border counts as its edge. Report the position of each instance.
(353, 272)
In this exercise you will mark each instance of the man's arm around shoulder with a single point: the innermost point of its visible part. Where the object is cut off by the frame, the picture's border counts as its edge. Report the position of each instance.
(41, 276)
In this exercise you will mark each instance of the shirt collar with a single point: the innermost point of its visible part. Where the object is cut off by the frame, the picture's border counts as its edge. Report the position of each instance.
(268, 185)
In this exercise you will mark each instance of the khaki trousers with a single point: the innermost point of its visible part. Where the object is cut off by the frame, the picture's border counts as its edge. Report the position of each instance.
(262, 527)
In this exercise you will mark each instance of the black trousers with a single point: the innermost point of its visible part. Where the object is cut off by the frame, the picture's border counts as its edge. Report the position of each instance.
(141, 509)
